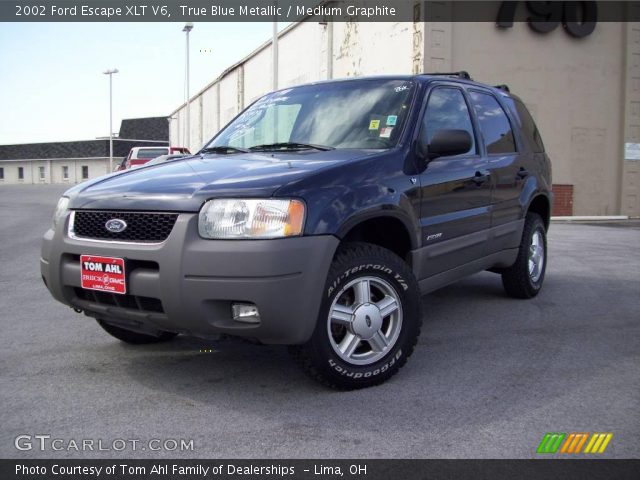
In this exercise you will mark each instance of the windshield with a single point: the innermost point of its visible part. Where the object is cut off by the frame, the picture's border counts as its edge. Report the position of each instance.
(350, 114)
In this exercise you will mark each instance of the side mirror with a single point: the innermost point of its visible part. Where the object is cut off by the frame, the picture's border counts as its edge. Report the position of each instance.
(447, 142)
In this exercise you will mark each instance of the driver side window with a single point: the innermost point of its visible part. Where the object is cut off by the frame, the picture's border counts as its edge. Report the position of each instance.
(446, 110)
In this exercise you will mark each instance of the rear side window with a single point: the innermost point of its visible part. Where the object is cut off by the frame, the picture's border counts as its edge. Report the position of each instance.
(446, 110)
(529, 129)
(494, 124)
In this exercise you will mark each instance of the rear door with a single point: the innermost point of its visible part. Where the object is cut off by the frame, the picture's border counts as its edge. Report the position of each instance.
(507, 165)
(455, 190)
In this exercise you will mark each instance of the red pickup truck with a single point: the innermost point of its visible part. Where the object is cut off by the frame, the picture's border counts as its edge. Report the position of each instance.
(141, 155)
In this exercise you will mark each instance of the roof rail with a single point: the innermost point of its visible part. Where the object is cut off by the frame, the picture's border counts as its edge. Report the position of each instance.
(460, 74)
(502, 87)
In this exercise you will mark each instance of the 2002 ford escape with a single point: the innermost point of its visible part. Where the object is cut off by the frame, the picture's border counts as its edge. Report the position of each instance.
(316, 218)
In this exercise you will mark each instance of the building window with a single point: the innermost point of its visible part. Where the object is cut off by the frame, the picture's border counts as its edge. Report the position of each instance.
(41, 173)
(20, 173)
(1, 173)
(85, 172)
(65, 172)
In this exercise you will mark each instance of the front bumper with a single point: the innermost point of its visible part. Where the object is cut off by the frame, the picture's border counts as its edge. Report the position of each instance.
(187, 284)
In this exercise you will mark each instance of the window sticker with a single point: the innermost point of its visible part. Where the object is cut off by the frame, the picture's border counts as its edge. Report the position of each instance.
(374, 124)
(391, 120)
(386, 132)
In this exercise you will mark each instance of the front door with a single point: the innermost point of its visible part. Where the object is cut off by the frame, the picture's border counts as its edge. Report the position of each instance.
(455, 190)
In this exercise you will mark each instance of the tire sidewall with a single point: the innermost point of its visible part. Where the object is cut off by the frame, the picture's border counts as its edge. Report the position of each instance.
(403, 282)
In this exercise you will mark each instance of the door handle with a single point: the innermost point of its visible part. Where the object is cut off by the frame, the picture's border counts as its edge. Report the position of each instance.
(522, 173)
(480, 178)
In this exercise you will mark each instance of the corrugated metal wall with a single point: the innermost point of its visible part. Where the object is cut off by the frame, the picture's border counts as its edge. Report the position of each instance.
(303, 57)
(573, 87)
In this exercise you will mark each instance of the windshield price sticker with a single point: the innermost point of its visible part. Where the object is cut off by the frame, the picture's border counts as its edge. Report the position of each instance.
(102, 273)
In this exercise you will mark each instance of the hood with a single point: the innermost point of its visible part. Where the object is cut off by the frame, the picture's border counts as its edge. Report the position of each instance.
(184, 185)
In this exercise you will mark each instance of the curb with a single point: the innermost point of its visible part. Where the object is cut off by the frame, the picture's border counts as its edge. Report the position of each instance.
(590, 218)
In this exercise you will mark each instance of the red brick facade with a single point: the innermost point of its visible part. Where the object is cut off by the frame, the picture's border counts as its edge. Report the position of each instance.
(562, 200)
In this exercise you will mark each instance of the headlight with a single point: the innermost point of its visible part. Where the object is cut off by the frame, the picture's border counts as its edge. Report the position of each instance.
(61, 209)
(251, 218)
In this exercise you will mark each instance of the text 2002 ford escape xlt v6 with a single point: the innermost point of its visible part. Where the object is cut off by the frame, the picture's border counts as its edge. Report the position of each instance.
(316, 219)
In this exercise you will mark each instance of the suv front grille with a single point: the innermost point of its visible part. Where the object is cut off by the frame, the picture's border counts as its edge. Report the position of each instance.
(142, 227)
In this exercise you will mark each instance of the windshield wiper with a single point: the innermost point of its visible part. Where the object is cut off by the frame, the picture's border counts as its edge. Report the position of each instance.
(224, 149)
(290, 146)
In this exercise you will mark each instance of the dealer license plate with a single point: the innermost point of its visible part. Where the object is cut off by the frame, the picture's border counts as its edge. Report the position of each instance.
(102, 273)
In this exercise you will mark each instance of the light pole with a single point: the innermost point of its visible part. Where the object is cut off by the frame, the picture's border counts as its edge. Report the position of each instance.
(187, 28)
(110, 72)
(274, 56)
(274, 69)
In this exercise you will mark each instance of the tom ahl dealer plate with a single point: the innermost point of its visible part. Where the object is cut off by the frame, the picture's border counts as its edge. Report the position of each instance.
(103, 273)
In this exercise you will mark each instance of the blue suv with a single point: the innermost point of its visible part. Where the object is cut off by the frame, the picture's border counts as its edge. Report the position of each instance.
(316, 218)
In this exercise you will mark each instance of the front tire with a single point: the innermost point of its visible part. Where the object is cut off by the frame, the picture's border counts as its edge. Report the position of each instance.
(135, 338)
(524, 278)
(369, 320)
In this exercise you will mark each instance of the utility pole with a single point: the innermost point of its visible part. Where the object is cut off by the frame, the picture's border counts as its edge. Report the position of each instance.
(274, 46)
(187, 29)
(110, 72)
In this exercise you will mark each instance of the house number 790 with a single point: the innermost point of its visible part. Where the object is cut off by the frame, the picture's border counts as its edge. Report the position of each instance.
(578, 18)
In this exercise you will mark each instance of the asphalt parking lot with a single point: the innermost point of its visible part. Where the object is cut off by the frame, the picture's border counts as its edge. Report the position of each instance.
(490, 376)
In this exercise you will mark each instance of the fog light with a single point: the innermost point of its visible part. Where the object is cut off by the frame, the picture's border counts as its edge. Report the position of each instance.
(245, 312)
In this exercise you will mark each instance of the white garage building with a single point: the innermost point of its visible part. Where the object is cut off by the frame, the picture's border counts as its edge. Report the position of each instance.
(583, 92)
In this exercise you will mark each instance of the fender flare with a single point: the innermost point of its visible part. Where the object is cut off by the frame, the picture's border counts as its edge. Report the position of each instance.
(532, 197)
(384, 211)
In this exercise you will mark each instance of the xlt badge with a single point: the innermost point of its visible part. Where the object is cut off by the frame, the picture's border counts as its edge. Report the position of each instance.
(433, 236)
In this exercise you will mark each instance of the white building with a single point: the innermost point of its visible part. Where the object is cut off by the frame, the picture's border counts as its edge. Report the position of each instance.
(53, 170)
(77, 161)
(583, 92)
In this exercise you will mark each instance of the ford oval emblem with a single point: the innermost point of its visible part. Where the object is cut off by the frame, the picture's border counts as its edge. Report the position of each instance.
(115, 225)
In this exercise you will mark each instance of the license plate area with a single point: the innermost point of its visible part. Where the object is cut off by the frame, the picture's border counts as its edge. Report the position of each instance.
(105, 274)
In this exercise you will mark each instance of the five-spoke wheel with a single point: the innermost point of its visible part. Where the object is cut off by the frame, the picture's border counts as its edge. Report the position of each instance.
(536, 256)
(365, 320)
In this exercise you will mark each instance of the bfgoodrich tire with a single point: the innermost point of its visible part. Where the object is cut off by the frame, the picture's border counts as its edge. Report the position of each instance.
(525, 277)
(135, 338)
(369, 320)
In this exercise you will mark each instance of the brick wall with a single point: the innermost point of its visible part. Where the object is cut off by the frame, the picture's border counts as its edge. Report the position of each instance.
(562, 200)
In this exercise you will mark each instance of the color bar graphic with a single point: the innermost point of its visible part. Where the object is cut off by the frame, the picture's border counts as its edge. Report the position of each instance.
(573, 442)
(550, 442)
(598, 443)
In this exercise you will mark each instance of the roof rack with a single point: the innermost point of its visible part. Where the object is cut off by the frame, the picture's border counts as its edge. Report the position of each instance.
(460, 74)
(502, 87)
